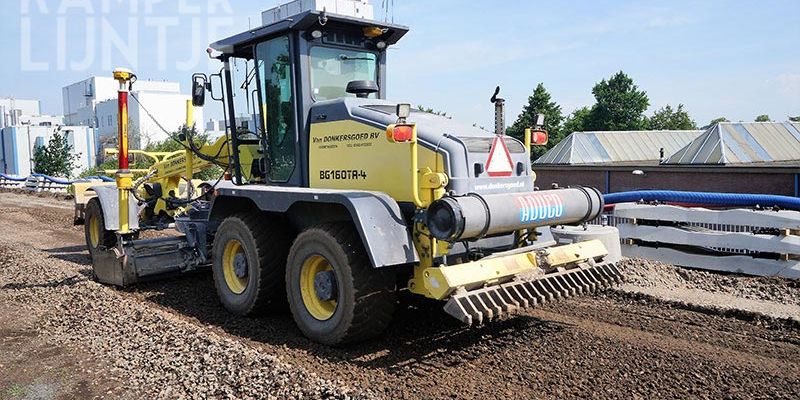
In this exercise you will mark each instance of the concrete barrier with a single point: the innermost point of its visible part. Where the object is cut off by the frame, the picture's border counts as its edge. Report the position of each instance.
(753, 242)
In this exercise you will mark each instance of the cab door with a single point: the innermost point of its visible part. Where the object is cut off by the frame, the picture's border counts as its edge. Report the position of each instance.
(274, 65)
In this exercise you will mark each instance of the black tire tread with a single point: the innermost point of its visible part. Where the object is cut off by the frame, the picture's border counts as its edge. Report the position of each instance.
(108, 238)
(375, 297)
(268, 237)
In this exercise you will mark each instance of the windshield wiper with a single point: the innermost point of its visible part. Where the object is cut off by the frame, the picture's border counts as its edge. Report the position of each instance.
(347, 58)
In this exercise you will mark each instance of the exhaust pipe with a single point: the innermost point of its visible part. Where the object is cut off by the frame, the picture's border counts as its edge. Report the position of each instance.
(474, 216)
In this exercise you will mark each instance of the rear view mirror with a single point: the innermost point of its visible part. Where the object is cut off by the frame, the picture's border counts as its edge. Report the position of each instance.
(199, 82)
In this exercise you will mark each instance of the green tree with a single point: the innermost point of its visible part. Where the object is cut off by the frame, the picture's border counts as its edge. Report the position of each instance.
(540, 102)
(57, 158)
(763, 118)
(431, 110)
(577, 121)
(620, 105)
(668, 118)
(795, 119)
(715, 121)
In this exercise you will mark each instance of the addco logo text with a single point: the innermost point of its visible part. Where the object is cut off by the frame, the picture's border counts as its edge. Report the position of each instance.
(539, 207)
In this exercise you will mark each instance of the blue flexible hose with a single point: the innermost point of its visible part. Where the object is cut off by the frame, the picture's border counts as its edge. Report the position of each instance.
(102, 178)
(12, 178)
(54, 180)
(705, 198)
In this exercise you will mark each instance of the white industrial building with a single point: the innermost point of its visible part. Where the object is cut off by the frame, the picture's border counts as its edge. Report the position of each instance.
(81, 98)
(12, 111)
(17, 145)
(169, 109)
(216, 128)
(93, 102)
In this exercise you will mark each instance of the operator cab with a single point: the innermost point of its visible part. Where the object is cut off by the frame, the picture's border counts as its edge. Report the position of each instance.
(273, 75)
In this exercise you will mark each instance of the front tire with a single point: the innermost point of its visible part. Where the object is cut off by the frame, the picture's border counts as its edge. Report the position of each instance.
(334, 293)
(249, 258)
(94, 229)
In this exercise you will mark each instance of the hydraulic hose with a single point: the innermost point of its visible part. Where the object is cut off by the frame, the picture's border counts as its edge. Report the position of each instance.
(705, 198)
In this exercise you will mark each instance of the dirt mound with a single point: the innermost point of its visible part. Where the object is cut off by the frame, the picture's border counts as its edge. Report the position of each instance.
(771, 296)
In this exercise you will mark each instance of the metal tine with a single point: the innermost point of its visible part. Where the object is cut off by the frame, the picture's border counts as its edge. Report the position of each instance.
(473, 310)
(593, 278)
(554, 283)
(508, 300)
(566, 284)
(574, 282)
(504, 291)
(513, 292)
(547, 290)
(585, 280)
(599, 277)
(610, 277)
(542, 297)
(455, 308)
(485, 312)
(524, 296)
(496, 308)
(615, 272)
(588, 287)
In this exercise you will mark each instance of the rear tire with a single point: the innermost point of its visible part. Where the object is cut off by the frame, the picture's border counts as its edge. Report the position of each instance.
(364, 297)
(94, 228)
(257, 247)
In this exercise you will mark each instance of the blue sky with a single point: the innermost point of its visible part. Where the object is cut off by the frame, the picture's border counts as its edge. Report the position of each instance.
(736, 59)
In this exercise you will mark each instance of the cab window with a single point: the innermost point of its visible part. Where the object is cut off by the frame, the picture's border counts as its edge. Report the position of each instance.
(332, 69)
(275, 78)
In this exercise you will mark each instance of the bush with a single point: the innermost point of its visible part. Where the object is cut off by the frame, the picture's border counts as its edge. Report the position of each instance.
(55, 159)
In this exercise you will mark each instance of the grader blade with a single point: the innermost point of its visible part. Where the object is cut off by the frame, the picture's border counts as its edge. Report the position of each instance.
(488, 303)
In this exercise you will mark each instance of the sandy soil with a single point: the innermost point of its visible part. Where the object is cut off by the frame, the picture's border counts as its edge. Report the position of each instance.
(64, 336)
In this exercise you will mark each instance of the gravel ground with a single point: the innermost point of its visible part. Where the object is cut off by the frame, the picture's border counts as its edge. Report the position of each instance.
(159, 353)
(172, 339)
(645, 273)
(725, 293)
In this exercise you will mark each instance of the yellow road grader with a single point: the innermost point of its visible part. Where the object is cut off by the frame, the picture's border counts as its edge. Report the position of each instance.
(335, 199)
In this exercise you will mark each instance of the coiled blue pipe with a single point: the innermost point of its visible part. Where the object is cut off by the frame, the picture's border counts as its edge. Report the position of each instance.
(705, 198)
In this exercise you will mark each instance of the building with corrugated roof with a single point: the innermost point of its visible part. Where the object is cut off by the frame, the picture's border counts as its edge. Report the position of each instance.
(742, 143)
(761, 157)
(617, 147)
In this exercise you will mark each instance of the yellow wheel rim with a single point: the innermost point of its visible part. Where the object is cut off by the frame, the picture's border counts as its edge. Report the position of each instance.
(236, 283)
(319, 309)
(94, 231)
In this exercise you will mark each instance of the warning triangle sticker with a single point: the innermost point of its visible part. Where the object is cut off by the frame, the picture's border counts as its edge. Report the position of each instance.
(499, 162)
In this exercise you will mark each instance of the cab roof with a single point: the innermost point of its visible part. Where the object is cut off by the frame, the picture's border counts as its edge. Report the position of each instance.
(236, 45)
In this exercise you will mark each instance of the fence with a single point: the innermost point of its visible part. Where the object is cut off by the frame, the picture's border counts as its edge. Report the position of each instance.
(44, 183)
(10, 182)
(754, 242)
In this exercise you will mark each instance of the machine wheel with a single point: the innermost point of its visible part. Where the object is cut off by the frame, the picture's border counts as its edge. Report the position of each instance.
(97, 236)
(335, 294)
(249, 258)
